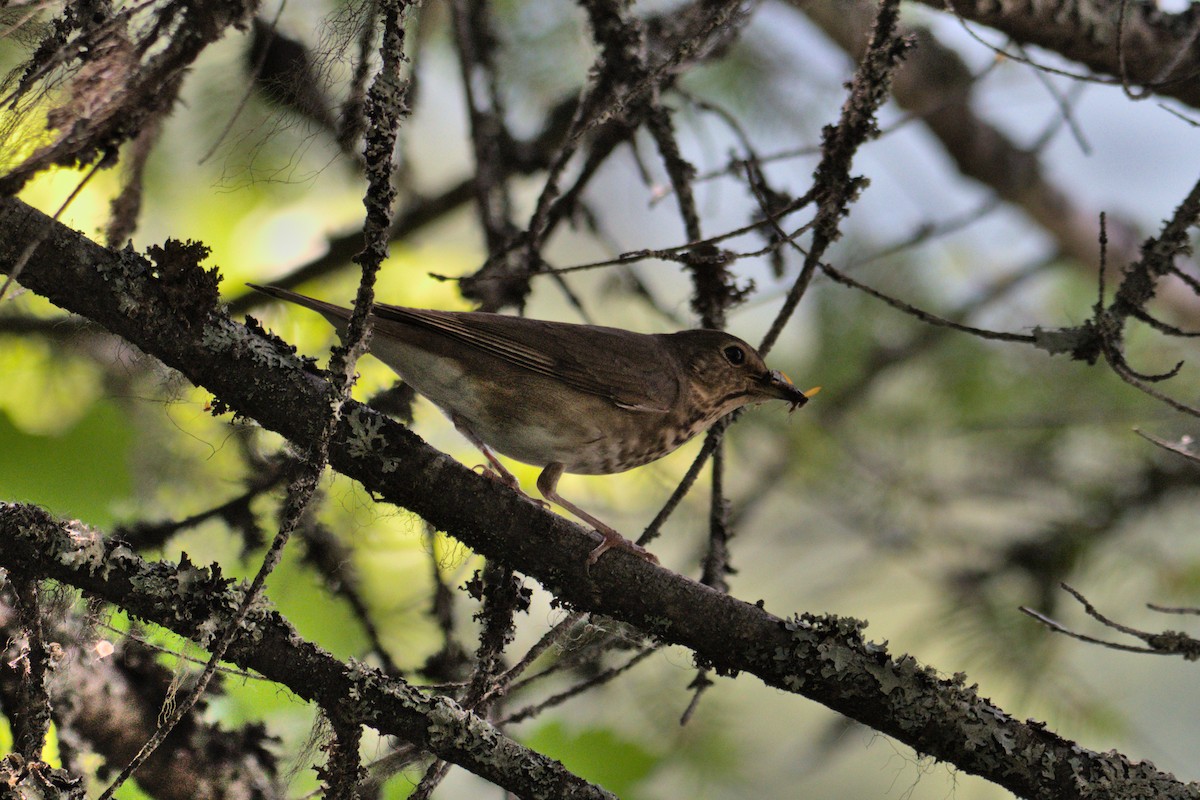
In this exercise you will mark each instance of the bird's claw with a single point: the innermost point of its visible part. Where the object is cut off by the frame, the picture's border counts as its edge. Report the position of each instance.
(508, 480)
(617, 541)
(511, 482)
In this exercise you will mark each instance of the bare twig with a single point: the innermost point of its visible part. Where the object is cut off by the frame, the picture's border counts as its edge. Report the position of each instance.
(1165, 643)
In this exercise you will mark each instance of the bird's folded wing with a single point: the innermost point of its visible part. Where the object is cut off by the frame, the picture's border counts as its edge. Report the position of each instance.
(628, 369)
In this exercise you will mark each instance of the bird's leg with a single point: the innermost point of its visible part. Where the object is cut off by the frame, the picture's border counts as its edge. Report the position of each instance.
(547, 483)
(493, 469)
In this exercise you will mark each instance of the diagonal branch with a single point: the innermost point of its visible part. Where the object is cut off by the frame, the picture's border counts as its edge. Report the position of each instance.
(823, 658)
(194, 602)
(1133, 43)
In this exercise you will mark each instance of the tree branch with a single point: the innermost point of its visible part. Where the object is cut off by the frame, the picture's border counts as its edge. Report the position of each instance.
(1133, 43)
(195, 603)
(823, 658)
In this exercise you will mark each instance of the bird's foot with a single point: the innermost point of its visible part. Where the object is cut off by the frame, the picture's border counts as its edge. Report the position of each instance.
(509, 480)
(612, 540)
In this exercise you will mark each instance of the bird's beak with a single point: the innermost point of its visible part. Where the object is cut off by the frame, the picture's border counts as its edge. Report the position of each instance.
(776, 385)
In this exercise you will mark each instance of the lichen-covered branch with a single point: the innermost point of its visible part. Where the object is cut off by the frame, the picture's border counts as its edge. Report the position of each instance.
(1133, 43)
(823, 658)
(196, 602)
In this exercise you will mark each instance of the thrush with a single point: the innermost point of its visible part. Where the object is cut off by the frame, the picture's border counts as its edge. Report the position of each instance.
(565, 397)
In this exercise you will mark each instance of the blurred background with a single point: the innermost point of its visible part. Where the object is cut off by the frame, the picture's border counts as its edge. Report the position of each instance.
(939, 482)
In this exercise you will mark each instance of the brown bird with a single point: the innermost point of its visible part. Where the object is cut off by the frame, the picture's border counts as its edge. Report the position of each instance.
(565, 397)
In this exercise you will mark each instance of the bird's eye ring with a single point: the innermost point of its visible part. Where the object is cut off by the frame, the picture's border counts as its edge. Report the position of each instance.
(735, 355)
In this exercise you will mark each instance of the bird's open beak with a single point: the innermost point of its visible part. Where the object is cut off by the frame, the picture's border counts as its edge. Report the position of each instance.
(776, 385)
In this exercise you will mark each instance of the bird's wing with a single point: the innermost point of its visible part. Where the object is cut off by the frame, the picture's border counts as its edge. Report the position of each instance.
(337, 315)
(630, 369)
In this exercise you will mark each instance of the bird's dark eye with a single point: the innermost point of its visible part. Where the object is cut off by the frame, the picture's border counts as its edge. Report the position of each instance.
(735, 355)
